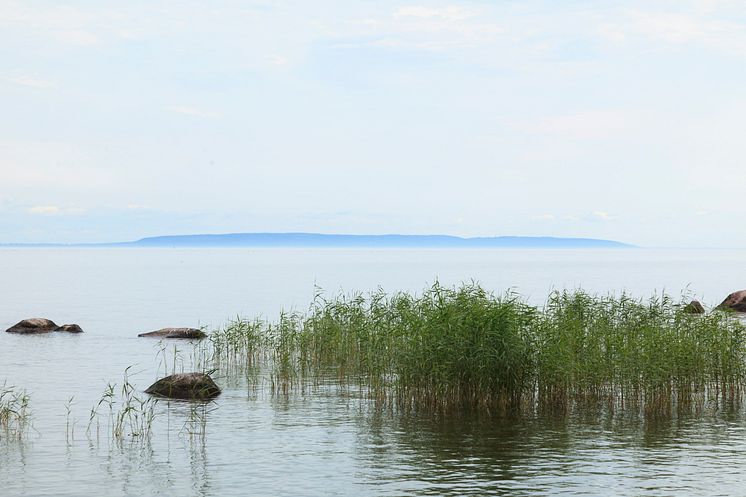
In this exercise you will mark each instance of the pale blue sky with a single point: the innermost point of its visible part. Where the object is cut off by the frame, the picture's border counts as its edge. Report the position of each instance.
(620, 120)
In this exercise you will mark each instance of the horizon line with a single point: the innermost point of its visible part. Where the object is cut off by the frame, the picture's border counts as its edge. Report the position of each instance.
(297, 238)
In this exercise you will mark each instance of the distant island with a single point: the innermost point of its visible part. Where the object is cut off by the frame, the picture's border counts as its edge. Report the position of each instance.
(317, 240)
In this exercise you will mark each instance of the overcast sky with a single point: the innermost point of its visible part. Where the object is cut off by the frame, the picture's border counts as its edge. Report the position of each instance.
(622, 120)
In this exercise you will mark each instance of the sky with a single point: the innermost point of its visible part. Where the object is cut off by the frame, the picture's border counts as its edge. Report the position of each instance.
(621, 120)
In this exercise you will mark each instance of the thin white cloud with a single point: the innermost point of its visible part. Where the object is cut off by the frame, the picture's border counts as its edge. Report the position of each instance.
(54, 210)
(77, 37)
(603, 216)
(277, 60)
(544, 217)
(584, 125)
(191, 111)
(67, 24)
(449, 13)
(682, 28)
(45, 167)
(46, 210)
(30, 81)
(685, 27)
(427, 28)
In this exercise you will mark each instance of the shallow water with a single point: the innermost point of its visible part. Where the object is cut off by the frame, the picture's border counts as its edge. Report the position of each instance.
(326, 441)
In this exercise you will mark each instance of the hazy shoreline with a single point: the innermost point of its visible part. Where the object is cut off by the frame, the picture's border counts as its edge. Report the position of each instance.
(319, 240)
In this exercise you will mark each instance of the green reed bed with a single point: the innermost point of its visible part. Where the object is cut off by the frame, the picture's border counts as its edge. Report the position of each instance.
(462, 348)
(646, 353)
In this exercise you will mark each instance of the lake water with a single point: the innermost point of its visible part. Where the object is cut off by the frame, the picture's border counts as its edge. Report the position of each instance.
(327, 441)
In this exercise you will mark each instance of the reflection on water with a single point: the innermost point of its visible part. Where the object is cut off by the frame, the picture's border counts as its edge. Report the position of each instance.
(326, 440)
(329, 440)
(549, 456)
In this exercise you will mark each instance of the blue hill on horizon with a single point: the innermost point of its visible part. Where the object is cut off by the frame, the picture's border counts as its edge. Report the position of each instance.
(365, 241)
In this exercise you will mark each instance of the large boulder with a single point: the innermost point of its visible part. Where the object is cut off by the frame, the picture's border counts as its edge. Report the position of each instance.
(175, 333)
(736, 301)
(193, 386)
(33, 326)
(694, 307)
(40, 325)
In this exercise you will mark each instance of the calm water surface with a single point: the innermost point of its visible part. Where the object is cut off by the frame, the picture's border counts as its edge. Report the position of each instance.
(327, 441)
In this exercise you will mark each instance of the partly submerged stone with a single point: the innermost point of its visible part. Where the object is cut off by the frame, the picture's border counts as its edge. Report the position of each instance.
(70, 328)
(736, 301)
(175, 333)
(40, 325)
(195, 386)
(32, 326)
(694, 307)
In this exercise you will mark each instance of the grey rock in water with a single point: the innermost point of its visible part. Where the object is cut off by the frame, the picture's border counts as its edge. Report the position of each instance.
(694, 307)
(33, 326)
(175, 333)
(192, 386)
(736, 301)
(70, 328)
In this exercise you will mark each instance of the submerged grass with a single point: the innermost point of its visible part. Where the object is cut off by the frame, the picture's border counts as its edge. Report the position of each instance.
(128, 415)
(15, 415)
(452, 349)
